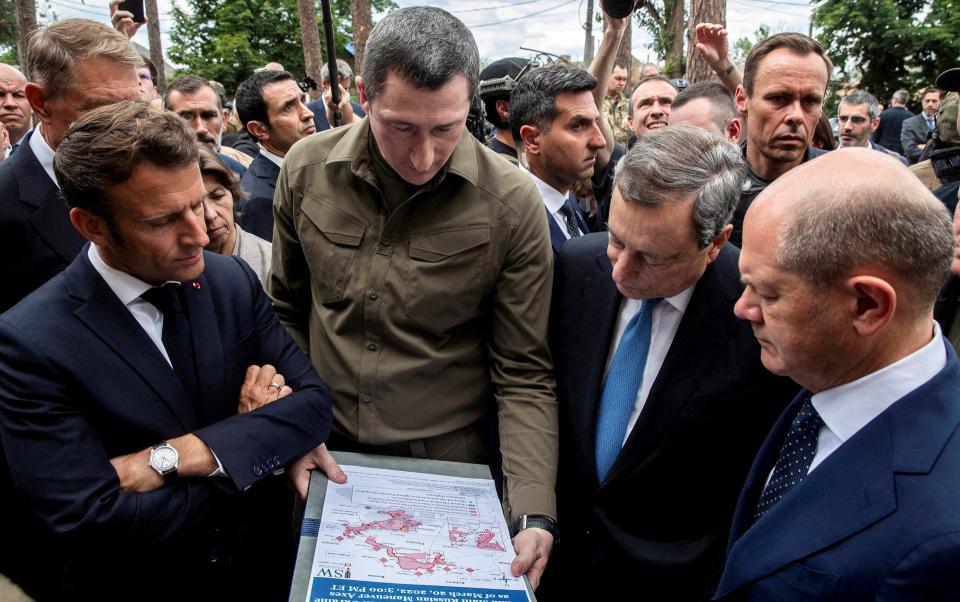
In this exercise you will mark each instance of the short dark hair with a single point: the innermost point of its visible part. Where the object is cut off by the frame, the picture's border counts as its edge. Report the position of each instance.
(722, 107)
(102, 148)
(936, 91)
(797, 43)
(249, 101)
(424, 45)
(188, 84)
(153, 68)
(534, 100)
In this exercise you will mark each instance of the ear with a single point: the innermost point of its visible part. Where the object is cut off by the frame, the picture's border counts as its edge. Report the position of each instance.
(741, 99)
(874, 124)
(734, 129)
(530, 136)
(90, 226)
(503, 109)
(876, 302)
(362, 95)
(37, 98)
(713, 249)
(258, 130)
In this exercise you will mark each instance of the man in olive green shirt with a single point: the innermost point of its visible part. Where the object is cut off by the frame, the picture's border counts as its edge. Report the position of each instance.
(414, 266)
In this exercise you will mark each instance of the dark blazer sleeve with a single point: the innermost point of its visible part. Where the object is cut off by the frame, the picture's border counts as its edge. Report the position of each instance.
(251, 445)
(67, 405)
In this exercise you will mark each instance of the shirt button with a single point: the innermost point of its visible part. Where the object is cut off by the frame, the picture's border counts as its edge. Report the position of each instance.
(374, 296)
(371, 346)
(366, 398)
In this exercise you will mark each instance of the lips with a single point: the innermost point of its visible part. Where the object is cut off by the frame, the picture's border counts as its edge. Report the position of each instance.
(655, 125)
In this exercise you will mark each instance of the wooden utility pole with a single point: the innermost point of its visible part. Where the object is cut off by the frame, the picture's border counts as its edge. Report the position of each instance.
(588, 35)
(362, 24)
(26, 23)
(702, 11)
(310, 38)
(156, 49)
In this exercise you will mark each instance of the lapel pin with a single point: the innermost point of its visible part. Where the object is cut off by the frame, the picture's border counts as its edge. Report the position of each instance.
(196, 284)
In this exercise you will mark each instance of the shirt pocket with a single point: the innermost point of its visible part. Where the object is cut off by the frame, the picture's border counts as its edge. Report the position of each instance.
(330, 240)
(446, 278)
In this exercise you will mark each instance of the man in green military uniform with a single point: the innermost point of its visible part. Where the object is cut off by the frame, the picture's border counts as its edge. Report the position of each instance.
(414, 266)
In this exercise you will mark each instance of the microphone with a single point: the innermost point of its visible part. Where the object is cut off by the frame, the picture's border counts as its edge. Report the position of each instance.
(619, 9)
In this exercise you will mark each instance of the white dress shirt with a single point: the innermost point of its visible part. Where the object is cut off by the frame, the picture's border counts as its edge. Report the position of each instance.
(128, 289)
(666, 321)
(553, 200)
(43, 153)
(277, 159)
(850, 407)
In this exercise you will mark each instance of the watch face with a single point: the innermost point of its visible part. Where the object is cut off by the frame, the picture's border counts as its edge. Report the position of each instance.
(164, 458)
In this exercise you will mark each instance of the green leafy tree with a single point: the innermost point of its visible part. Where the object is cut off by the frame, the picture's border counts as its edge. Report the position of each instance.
(8, 32)
(226, 40)
(883, 45)
(665, 20)
(742, 47)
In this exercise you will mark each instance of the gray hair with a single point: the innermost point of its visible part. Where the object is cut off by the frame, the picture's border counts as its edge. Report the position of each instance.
(677, 162)
(533, 101)
(54, 50)
(904, 229)
(343, 71)
(901, 97)
(863, 98)
(425, 45)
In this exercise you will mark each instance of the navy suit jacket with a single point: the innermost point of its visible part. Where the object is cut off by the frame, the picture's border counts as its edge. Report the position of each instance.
(319, 110)
(656, 527)
(36, 236)
(260, 182)
(80, 383)
(876, 520)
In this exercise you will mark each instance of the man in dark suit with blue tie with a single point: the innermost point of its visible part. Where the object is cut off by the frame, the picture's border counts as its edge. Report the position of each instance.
(273, 108)
(148, 387)
(853, 495)
(663, 399)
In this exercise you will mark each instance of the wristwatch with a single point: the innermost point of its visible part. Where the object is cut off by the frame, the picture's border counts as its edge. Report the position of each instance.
(538, 521)
(164, 458)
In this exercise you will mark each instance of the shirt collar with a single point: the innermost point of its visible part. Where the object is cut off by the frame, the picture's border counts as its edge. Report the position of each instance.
(43, 152)
(553, 199)
(277, 159)
(127, 288)
(848, 408)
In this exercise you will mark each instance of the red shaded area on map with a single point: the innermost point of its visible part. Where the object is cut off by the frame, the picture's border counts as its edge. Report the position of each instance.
(457, 536)
(485, 541)
(398, 521)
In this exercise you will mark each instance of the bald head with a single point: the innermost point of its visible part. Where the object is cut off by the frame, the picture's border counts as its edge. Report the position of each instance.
(857, 208)
(14, 108)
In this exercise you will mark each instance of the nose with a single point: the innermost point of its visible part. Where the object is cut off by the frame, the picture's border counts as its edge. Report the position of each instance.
(421, 154)
(746, 309)
(199, 126)
(795, 113)
(596, 138)
(8, 100)
(209, 214)
(305, 113)
(195, 233)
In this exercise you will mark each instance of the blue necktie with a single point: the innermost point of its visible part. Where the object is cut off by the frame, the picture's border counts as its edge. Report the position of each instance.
(621, 387)
(177, 337)
(796, 455)
(931, 123)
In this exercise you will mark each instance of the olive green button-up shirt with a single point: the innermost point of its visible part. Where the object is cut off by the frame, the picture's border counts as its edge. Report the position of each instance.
(420, 317)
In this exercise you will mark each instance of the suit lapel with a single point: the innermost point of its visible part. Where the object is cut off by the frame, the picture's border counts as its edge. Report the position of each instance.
(851, 490)
(51, 220)
(110, 321)
(600, 304)
(206, 346)
(556, 235)
(679, 377)
(809, 518)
